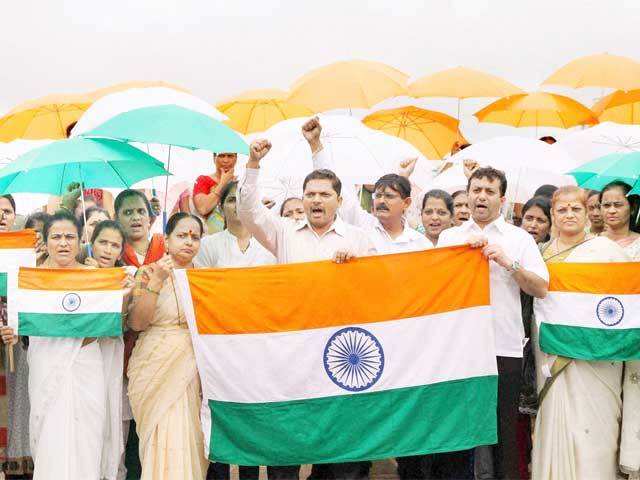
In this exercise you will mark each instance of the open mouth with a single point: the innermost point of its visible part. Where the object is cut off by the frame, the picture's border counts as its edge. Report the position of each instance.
(317, 211)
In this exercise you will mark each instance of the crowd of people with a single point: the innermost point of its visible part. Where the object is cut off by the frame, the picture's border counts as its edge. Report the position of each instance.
(583, 417)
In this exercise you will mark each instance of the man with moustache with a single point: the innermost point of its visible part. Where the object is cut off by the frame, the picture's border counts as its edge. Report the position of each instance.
(461, 212)
(515, 264)
(387, 227)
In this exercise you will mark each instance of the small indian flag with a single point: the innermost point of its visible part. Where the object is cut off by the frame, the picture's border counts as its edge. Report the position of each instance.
(58, 302)
(592, 311)
(17, 249)
(316, 362)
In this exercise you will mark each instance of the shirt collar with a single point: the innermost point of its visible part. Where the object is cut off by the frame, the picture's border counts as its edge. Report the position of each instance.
(499, 224)
(407, 234)
(338, 226)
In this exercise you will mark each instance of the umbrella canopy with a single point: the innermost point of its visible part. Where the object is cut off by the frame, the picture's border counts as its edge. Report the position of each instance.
(171, 125)
(120, 87)
(433, 133)
(619, 107)
(12, 150)
(461, 83)
(257, 110)
(348, 84)
(528, 163)
(97, 163)
(358, 154)
(537, 109)
(600, 140)
(602, 70)
(44, 118)
(116, 103)
(617, 166)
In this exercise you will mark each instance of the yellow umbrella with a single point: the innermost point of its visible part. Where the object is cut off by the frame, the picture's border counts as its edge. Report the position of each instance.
(46, 117)
(119, 87)
(619, 107)
(348, 84)
(537, 109)
(461, 82)
(433, 133)
(257, 110)
(601, 70)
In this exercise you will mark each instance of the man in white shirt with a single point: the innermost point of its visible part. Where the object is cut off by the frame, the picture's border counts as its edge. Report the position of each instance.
(323, 235)
(387, 227)
(515, 264)
(234, 247)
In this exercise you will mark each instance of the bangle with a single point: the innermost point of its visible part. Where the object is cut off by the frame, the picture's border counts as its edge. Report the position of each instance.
(153, 291)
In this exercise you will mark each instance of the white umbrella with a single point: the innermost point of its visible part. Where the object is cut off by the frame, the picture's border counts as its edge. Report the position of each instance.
(357, 153)
(26, 203)
(527, 164)
(116, 103)
(603, 139)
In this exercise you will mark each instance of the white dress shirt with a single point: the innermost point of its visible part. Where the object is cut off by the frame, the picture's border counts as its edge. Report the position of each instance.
(221, 250)
(519, 246)
(292, 242)
(409, 240)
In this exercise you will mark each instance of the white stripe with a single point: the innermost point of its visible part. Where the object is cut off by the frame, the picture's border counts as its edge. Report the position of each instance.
(16, 257)
(580, 310)
(51, 301)
(289, 365)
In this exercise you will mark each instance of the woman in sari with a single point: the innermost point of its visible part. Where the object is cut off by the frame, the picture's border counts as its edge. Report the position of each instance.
(578, 423)
(164, 387)
(620, 213)
(74, 425)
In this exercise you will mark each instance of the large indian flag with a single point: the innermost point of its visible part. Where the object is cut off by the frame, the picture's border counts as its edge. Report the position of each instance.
(17, 249)
(592, 311)
(66, 302)
(317, 362)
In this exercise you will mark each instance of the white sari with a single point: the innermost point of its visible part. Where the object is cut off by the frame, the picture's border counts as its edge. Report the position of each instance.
(630, 435)
(578, 423)
(76, 401)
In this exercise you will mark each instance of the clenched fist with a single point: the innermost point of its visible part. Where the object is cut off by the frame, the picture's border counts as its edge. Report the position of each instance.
(311, 131)
(257, 150)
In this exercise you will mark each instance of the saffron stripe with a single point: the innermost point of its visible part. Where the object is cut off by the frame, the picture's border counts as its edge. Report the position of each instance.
(598, 278)
(266, 299)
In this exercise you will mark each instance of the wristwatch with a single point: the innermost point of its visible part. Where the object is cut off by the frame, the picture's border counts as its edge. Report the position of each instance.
(515, 266)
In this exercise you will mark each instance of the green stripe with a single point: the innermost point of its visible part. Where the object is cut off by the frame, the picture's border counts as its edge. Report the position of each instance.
(3, 284)
(584, 343)
(70, 325)
(442, 417)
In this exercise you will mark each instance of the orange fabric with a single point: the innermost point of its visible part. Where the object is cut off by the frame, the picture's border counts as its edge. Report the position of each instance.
(74, 279)
(600, 278)
(155, 252)
(322, 294)
(18, 239)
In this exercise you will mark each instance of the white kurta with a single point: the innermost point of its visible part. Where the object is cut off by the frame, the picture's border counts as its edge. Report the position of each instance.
(76, 401)
(578, 423)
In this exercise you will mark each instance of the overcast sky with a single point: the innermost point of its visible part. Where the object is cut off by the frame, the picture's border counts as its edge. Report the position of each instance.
(217, 48)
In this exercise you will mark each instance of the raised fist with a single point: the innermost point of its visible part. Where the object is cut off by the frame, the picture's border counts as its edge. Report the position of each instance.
(258, 149)
(311, 131)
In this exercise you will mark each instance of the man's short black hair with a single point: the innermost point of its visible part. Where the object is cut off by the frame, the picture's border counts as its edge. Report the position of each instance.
(395, 182)
(491, 174)
(324, 174)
